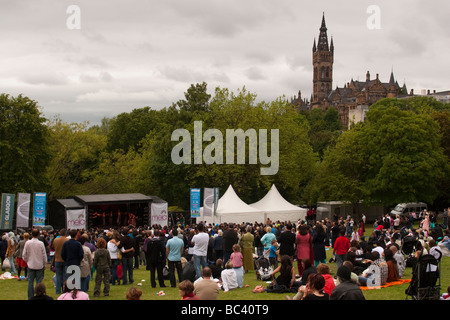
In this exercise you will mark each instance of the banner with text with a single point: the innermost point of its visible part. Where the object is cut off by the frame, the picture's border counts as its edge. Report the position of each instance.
(208, 202)
(40, 199)
(23, 210)
(159, 214)
(7, 212)
(195, 203)
(76, 219)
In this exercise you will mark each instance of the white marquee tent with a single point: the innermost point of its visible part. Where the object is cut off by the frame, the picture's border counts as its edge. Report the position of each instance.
(231, 208)
(275, 207)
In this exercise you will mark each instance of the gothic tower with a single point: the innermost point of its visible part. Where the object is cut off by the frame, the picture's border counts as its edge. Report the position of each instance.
(323, 56)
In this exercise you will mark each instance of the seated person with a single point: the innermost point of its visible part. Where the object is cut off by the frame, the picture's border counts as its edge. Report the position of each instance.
(287, 273)
(186, 290)
(316, 283)
(347, 289)
(216, 268)
(308, 268)
(377, 272)
(228, 277)
(207, 288)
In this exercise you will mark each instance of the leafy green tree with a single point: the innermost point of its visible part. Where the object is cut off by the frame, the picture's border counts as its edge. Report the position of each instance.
(395, 156)
(76, 152)
(127, 130)
(24, 145)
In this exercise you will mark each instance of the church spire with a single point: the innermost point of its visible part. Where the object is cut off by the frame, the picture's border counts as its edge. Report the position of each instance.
(314, 46)
(323, 37)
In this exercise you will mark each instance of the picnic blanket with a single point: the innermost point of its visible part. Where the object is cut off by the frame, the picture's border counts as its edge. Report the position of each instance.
(389, 284)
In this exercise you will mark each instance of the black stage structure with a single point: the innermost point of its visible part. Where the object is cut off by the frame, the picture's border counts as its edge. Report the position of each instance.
(103, 210)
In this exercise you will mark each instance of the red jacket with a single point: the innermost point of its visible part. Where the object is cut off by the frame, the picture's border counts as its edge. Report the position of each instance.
(341, 245)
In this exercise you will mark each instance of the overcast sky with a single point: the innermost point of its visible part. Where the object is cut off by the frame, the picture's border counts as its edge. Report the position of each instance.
(132, 54)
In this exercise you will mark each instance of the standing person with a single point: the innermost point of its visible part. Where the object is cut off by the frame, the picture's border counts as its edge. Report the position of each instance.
(304, 247)
(71, 252)
(174, 251)
(3, 247)
(200, 242)
(11, 250)
(341, 246)
(102, 264)
(127, 243)
(85, 265)
(114, 252)
(57, 245)
(156, 257)
(318, 244)
(287, 242)
(230, 238)
(259, 246)
(218, 245)
(35, 256)
(247, 245)
(267, 238)
(237, 259)
(21, 264)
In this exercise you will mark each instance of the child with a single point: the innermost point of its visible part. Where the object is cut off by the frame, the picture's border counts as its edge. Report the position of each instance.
(273, 254)
(102, 265)
(237, 259)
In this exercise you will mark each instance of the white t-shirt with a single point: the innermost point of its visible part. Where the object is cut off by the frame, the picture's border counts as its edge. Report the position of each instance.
(200, 241)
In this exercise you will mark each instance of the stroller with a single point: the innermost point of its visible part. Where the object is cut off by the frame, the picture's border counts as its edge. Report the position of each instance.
(263, 268)
(426, 280)
(408, 245)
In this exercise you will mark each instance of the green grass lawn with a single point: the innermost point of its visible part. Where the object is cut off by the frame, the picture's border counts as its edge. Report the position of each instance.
(12, 289)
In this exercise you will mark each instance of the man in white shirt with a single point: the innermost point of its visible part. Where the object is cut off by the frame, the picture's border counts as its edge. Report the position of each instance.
(35, 256)
(200, 242)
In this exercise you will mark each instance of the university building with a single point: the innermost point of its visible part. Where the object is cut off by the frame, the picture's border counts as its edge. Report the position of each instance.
(351, 100)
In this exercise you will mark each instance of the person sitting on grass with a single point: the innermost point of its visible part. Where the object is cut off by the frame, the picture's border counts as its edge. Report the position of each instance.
(40, 292)
(186, 290)
(134, 294)
(229, 278)
(287, 273)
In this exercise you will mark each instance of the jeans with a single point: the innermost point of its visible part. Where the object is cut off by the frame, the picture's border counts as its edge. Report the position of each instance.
(13, 266)
(226, 256)
(172, 265)
(114, 264)
(127, 266)
(260, 251)
(340, 259)
(85, 284)
(199, 261)
(37, 275)
(59, 274)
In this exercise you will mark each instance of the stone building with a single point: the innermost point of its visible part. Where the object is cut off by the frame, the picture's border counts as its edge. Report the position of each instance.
(352, 94)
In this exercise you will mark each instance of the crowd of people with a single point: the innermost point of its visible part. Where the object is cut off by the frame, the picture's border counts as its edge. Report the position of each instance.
(207, 259)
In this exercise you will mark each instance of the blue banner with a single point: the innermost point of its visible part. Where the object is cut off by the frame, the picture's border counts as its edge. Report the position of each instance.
(40, 199)
(195, 203)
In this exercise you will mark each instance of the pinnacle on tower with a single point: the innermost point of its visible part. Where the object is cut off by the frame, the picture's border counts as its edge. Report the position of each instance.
(323, 37)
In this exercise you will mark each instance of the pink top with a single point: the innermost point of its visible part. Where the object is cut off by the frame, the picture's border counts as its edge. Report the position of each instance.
(81, 295)
(236, 258)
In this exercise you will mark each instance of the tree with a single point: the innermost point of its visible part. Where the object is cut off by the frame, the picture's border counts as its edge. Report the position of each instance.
(394, 156)
(76, 153)
(24, 145)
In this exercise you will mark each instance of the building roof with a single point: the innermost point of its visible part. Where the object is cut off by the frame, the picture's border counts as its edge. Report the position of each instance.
(116, 198)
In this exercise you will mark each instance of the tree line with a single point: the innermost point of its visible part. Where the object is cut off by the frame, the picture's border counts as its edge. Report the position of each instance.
(400, 153)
